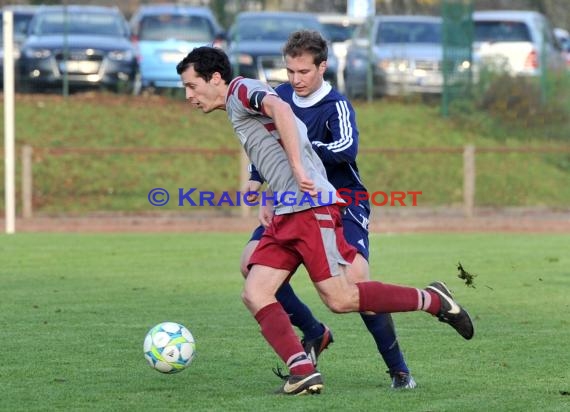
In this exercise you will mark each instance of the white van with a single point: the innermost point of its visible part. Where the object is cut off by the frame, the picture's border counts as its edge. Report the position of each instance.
(515, 41)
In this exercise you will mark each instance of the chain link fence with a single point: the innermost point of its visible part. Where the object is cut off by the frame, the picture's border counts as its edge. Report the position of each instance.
(457, 51)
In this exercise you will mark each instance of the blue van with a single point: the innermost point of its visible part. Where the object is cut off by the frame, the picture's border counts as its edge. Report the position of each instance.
(164, 34)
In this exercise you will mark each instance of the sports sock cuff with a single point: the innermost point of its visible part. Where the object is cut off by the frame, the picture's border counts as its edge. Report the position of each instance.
(362, 301)
(434, 304)
(266, 310)
(425, 299)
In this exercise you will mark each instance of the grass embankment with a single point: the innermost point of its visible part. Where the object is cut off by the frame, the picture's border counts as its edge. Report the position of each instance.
(89, 182)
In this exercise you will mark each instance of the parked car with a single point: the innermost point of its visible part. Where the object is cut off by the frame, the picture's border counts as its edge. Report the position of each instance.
(405, 57)
(563, 37)
(164, 34)
(566, 53)
(88, 45)
(510, 41)
(340, 28)
(256, 40)
(21, 17)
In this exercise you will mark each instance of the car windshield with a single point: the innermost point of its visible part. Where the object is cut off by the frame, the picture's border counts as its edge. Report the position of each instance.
(78, 23)
(339, 32)
(179, 27)
(503, 31)
(408, 32)
(271, 28)
(21, 22)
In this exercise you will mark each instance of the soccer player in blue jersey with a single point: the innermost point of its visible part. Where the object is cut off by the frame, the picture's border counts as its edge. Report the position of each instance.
(332, 130)
(306, 231)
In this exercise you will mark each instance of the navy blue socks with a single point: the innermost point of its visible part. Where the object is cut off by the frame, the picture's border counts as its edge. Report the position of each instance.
(382, 329)
(300, 315)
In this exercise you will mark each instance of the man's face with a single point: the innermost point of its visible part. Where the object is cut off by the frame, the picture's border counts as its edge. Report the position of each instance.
(201, 94)
(303, 74)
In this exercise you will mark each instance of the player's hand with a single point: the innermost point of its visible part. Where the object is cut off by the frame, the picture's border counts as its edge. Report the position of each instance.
(305, 184)
(265, 214)
(251, 186)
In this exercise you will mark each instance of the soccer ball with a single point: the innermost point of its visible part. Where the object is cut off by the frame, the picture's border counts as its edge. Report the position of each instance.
(169, 347)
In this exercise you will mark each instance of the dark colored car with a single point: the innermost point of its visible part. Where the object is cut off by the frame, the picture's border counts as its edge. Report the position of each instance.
(164, 34)
(21, 17)
(256, 40)
(88, 44)
(563, 38)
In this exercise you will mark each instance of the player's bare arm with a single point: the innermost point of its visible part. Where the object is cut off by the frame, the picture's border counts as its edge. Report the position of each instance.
(284, 119)
(266, 210)
(252, 188)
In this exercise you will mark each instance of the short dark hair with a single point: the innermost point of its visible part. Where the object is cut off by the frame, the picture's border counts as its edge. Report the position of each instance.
(307, 41)
(207, 61)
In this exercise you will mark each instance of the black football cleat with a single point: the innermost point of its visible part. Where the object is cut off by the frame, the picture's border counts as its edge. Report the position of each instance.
(451, 312)
(402, 380)
(314, 347)
(309, 384)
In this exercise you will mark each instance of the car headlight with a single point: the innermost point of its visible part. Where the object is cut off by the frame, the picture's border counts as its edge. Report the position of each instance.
(121, 55)
(17, 53)
(394, 65)
(37, 53)
(464, 66)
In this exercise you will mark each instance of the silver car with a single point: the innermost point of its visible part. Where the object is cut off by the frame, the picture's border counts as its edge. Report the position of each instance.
(406, 56)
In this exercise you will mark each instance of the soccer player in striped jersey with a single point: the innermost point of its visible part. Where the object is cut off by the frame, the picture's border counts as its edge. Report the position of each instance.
(332, 130)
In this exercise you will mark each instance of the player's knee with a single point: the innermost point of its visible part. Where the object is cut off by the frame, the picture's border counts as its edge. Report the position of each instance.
(247, 298)
(338, 304)
(244, 269)
(358, 276)
(245, 256)
(342, 300)
(358, 271)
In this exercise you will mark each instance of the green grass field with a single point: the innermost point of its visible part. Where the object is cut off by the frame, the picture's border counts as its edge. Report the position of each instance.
(74, 309)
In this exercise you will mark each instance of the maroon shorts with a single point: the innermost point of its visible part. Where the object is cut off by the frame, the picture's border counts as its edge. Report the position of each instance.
(313, 237)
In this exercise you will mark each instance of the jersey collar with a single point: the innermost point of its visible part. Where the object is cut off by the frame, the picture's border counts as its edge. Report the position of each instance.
(232, 86)
(314, 97)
